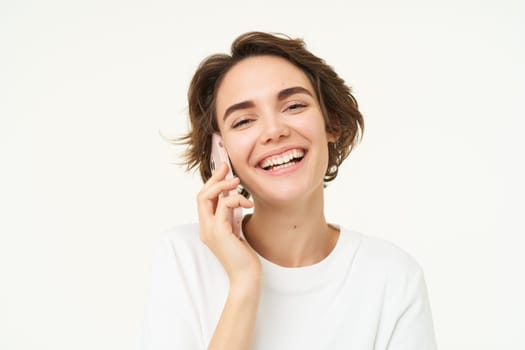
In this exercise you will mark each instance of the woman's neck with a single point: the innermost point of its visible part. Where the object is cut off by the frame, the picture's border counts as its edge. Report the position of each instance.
(291, 235)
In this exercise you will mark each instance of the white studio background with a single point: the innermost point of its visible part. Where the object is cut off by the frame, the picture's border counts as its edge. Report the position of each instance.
(87, 184)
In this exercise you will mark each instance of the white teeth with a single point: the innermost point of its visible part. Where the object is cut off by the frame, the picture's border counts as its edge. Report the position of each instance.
(283, 160)
(282, 166)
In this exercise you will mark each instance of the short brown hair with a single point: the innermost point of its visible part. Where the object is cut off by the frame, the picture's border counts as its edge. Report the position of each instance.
(338, 105)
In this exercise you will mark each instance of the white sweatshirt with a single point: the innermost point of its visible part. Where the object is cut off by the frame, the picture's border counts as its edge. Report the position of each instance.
(367, 294)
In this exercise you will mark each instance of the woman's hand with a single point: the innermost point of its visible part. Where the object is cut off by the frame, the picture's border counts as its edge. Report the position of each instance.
(215, 210)
(237, 323)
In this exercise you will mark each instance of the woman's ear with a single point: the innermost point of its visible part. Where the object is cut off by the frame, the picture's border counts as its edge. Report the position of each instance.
(332, 137)
(333, 132)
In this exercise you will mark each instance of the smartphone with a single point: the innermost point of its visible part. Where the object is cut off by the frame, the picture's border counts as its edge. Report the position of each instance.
(219, 156)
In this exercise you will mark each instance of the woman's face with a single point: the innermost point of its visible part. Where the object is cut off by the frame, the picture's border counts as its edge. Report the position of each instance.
(273, 129)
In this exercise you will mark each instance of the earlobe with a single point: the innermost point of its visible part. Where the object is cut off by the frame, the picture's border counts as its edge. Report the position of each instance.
(333, 131)
(331, 137)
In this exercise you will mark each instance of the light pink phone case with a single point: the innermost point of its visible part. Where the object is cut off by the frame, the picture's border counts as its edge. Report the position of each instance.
(219, 156)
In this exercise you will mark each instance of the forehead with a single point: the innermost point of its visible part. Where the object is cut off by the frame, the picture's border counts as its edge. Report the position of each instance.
(258, 78)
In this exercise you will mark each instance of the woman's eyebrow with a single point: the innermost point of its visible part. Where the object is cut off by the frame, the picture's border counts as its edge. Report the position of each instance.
(238, 106)
(292, 91)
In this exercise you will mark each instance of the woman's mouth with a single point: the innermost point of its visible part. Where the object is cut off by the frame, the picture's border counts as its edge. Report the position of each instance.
(283, 160)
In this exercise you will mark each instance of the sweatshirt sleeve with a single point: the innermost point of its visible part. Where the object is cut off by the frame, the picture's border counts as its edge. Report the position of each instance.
(171, 320)
(414, 328)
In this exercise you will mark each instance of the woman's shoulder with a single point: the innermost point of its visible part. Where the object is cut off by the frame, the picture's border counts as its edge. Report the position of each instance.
(181, 246)
(188, 232)
(378, 254)
(182, 237)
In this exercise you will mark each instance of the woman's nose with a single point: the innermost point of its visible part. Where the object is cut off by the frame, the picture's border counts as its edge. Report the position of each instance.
(274, 129)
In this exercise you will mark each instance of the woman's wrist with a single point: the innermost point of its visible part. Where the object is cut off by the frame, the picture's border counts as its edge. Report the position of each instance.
(248, 287)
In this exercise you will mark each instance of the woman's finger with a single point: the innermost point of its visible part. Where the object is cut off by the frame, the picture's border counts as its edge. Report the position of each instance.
(208, 196)
(217, 175)
(223, 213)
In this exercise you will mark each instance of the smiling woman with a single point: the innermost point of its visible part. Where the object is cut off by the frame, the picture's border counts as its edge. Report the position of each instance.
(279, 118)
(291, 280)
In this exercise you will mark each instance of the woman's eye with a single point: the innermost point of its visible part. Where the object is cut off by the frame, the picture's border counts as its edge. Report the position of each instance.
(295, 107)
(240, 123)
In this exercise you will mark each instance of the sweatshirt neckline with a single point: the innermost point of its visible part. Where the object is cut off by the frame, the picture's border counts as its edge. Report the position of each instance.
(283, 279)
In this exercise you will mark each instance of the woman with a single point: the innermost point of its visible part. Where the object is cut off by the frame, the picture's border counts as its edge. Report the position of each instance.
(291, 280)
